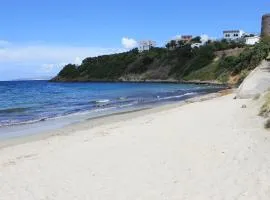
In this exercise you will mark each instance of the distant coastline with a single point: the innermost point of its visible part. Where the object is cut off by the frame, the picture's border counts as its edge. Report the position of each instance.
(169, 81)
(216, 62)
(47, 78)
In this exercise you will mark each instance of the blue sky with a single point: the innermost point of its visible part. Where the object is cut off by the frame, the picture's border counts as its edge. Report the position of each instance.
(38, 38)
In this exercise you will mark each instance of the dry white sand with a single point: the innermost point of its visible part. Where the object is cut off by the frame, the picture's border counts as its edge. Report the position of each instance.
(207, 150)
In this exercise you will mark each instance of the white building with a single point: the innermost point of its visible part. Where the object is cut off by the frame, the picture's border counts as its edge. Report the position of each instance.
(252, 40)
(146, 45)
(233, 34)
(196, 45)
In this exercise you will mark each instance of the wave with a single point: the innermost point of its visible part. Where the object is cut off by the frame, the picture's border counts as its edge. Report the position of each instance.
(101, 101)
(12, 123)
(127, 105)
(13, 110)
(122, 98)
(176, 96)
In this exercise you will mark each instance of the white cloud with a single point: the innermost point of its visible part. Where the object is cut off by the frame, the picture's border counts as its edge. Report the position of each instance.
(47, 68)
(4, 43)
(24, 60)
(37, 53)
(78, 61)
(129, 43)
(177, 37)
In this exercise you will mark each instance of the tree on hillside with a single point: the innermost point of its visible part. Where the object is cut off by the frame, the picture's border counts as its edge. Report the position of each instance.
(196, 39)
(173, 44)
(168, 45)
(180, 43)
(69, 71)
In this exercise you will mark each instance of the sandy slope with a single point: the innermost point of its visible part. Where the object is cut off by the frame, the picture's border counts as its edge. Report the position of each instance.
(207, 150)
(257, 82)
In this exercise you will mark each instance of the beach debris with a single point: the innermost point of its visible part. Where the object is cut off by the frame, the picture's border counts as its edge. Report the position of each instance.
(256, 97)
(265, 108)
(244, 106)
(267, 124)
(121, 98)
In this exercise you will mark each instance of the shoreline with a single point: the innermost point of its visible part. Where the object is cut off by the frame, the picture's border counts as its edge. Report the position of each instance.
(169, 81)
(89, 123)
(213, 149)
(90, 100)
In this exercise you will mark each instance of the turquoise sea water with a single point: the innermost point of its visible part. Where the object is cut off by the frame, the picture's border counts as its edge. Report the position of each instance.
(24, 102)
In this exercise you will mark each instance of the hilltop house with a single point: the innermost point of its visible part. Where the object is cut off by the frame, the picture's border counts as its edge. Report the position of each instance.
(252, 40)
(186, 38)
(146, 45)
(233, 34)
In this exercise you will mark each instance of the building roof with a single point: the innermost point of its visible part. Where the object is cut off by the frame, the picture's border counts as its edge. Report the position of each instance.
(232, 31)
(251, 37)
(186, 36)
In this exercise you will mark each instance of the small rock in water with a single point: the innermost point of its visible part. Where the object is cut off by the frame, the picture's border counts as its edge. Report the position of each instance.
(235, 97)
(244, 106)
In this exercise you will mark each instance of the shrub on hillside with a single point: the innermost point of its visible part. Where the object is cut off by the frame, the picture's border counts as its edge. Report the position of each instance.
(267, 124)
(69, 71)
(265, 108)
(248, 59)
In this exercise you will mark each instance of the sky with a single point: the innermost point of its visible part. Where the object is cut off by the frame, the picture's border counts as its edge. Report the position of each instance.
(37, 38)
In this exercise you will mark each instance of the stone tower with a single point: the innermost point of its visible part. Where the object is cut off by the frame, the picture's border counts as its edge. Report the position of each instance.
(265, 25)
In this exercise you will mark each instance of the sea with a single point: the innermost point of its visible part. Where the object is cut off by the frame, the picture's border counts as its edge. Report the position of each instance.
(25, 106)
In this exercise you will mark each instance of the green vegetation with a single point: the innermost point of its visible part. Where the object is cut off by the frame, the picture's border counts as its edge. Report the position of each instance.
(249, 59)
(108, 67)
(69, 71)
(209, 72)
(178, 62)
(196, 39)
(224, 45)
(267, 124)
(228, 66)
(265, 110)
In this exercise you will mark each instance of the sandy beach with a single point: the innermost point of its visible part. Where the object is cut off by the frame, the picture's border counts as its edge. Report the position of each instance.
(213, 149)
